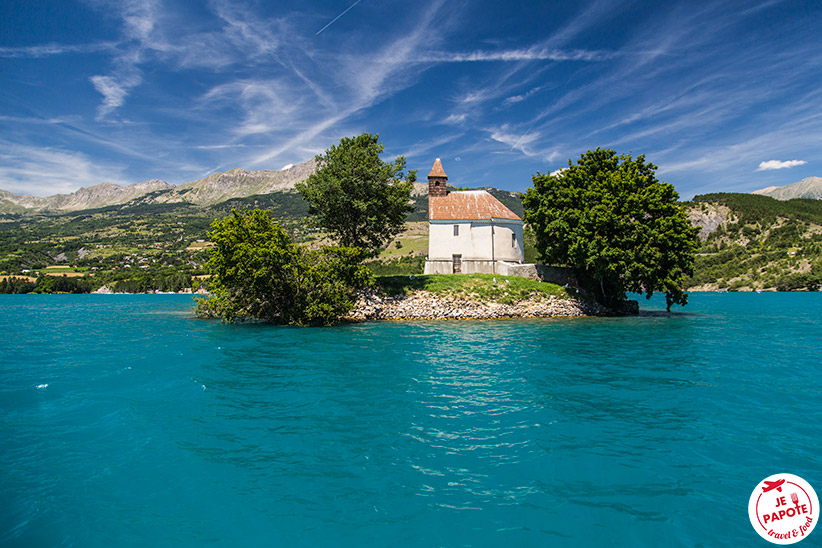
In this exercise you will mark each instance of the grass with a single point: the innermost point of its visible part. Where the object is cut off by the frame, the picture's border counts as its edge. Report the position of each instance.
(413, 241)
(64, 269)
(479, 287)
(400, 266)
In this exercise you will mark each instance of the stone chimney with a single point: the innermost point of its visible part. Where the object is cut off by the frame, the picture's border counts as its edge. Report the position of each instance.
(437, 180)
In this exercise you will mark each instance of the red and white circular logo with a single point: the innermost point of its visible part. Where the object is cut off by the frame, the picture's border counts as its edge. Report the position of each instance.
(783, 509)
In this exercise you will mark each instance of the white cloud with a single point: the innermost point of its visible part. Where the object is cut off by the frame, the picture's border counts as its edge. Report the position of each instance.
(46, 50)
(514, 140)
(114, 90)
(45, 171)
(266, 105)
(422, 148)
(220, 147)
(558, 171)
(777, 164)
(737, 157)
(138, 22)
(149, 33)
(521, 97)
(456, 118)
(530, 54)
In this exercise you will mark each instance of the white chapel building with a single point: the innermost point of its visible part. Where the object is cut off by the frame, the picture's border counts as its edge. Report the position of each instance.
(469, 231)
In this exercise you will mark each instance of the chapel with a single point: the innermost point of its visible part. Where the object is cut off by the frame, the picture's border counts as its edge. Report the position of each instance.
(469, 231)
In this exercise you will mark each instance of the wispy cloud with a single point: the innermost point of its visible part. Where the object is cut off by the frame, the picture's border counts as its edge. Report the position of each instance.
(115, 89)
(265, 103)
(422, 148)
(362, 81)
(735, 155)
(252, 37)
(47, 50)
(679, 89)
(530, 54)
(527, 143)
(777, 164)
(455, 118)
(45, 171)
(522, 96)
(151, 34)
(219, 147)
(138, 21)
(239, 83)
(36, 120)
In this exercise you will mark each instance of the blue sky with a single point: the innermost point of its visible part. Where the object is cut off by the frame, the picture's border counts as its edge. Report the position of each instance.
(722, 96)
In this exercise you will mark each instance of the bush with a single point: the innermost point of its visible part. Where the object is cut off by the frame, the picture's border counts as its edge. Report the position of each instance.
(259, 273)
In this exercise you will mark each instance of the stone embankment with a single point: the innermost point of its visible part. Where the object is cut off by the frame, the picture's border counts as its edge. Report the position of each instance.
(422, 305)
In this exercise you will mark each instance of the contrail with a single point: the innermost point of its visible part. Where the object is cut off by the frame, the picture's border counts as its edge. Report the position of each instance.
(524, 134)
(337, 17)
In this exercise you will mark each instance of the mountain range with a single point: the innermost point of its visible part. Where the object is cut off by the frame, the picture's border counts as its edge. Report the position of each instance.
(214, 189)
(809, 187)
(241, 183)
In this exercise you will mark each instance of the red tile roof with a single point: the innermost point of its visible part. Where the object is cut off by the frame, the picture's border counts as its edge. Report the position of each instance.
(437, 170)
(468, 205)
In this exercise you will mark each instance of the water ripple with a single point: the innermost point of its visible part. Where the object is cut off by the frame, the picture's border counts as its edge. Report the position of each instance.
(574, 432)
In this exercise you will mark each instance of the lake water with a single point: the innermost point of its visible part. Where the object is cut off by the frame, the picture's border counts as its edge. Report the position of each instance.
(126, 422)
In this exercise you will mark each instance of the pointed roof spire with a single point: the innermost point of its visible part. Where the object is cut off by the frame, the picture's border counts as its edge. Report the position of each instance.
(436, 170)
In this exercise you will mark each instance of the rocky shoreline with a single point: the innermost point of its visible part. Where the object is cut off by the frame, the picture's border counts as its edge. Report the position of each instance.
(423, 305)
(374, 304)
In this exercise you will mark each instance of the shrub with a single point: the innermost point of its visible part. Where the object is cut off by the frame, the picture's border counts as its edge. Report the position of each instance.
(259, 273)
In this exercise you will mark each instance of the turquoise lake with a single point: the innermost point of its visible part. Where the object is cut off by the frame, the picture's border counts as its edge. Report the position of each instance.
(126, 422)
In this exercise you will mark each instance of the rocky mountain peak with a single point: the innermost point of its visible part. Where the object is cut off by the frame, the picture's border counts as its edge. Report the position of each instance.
(216, 188)
(809, 187)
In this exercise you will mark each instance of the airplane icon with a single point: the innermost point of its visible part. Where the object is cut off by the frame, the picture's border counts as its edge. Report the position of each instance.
(771, 485)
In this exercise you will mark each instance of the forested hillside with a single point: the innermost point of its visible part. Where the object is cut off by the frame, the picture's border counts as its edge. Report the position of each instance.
(755, 242)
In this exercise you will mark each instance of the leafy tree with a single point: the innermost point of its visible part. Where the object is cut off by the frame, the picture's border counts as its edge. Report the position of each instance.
(620, 229)
(258, 272)
(361, 200)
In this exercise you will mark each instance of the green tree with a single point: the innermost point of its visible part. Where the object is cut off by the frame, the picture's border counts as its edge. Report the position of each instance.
(258, 272)
(361, 200)
(619, 229)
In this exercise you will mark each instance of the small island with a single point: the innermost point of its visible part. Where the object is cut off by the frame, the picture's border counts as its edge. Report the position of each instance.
(606, 220)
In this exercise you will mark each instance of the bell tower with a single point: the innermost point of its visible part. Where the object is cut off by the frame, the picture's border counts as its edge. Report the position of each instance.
(437, 180)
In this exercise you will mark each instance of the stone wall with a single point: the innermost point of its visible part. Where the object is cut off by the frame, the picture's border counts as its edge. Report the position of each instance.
(468, 266)
(552, 274)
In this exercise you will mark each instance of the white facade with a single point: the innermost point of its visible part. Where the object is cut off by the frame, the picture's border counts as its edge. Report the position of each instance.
(469, 231)
(472, 246)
